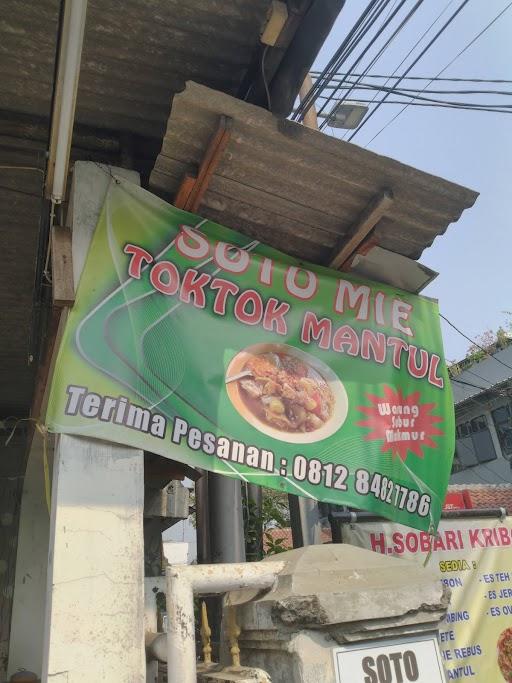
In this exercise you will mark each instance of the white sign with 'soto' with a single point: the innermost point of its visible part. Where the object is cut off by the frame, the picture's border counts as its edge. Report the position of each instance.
(404, 660)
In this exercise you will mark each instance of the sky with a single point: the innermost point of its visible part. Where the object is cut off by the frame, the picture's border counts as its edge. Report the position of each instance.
(474, 286)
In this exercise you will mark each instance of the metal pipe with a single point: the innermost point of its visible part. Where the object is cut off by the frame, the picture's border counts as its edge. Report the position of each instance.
(63, 114)
(181, 644)
(354, 517)
(304, 521)
(254, 547)
(183, 581)
(156, 646)
(202, 519)
(226, 536)
(227, 542)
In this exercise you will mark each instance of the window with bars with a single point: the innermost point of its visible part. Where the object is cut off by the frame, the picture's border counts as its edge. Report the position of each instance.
(502, 418)
(474, 442)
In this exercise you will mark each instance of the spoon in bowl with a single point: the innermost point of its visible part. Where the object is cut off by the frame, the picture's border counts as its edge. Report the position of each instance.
(240, 375)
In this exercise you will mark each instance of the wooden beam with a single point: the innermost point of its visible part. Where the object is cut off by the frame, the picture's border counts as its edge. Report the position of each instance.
(184, 190)
(62, 267)
(364, 248)
(54, 332)
(192, 191)
(362, 227)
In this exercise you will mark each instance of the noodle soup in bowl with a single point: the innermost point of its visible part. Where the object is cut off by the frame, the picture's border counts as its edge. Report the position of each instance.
(286, 393)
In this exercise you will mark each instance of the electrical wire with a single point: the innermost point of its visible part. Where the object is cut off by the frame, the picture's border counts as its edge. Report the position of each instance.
(353, 37)
(22, 168)
(341, 76)
(23, 192)
(498, 360)
(461, 52)
(476, 464)
(435, 100)
(383, 88)
(414, 62)
(391, 14)
(388, 42)
(381, 51)
(264, 77)
(347, 46)
(472, 372)
(448, 105)
(433, 23)
(469, 384)
(414, 95)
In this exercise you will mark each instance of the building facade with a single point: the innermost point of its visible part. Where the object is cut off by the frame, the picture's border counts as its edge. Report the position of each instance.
(482, 393)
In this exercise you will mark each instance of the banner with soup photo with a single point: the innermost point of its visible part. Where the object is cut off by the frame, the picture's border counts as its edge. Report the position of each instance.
(201, 344)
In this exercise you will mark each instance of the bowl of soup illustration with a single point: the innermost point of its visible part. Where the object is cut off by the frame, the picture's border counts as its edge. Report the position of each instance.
(286, 393)
(504, 653)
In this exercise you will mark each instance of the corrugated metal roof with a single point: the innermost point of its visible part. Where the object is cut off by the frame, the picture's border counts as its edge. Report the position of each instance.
(296, 188)
(136, 55)
(482, 376)
(127, 83)
(20, 206)
(28, 33)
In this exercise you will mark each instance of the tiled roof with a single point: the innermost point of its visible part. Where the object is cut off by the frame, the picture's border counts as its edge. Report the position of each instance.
(286, 535)
(487, 495)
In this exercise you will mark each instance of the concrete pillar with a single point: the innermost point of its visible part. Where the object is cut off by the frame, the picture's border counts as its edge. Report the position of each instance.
(95, 609)
(95, 597)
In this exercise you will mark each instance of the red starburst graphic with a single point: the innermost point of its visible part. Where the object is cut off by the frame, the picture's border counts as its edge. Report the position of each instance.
(403, 423)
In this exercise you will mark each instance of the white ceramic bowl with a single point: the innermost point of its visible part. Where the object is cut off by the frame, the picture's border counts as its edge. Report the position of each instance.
(340, 408)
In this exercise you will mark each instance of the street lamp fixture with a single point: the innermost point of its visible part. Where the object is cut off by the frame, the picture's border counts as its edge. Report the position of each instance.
(347, 115)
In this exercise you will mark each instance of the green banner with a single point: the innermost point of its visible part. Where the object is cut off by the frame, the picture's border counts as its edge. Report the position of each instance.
(193, 341)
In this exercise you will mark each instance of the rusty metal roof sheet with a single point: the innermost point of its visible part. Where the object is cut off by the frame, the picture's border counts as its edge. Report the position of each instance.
(295, 188)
